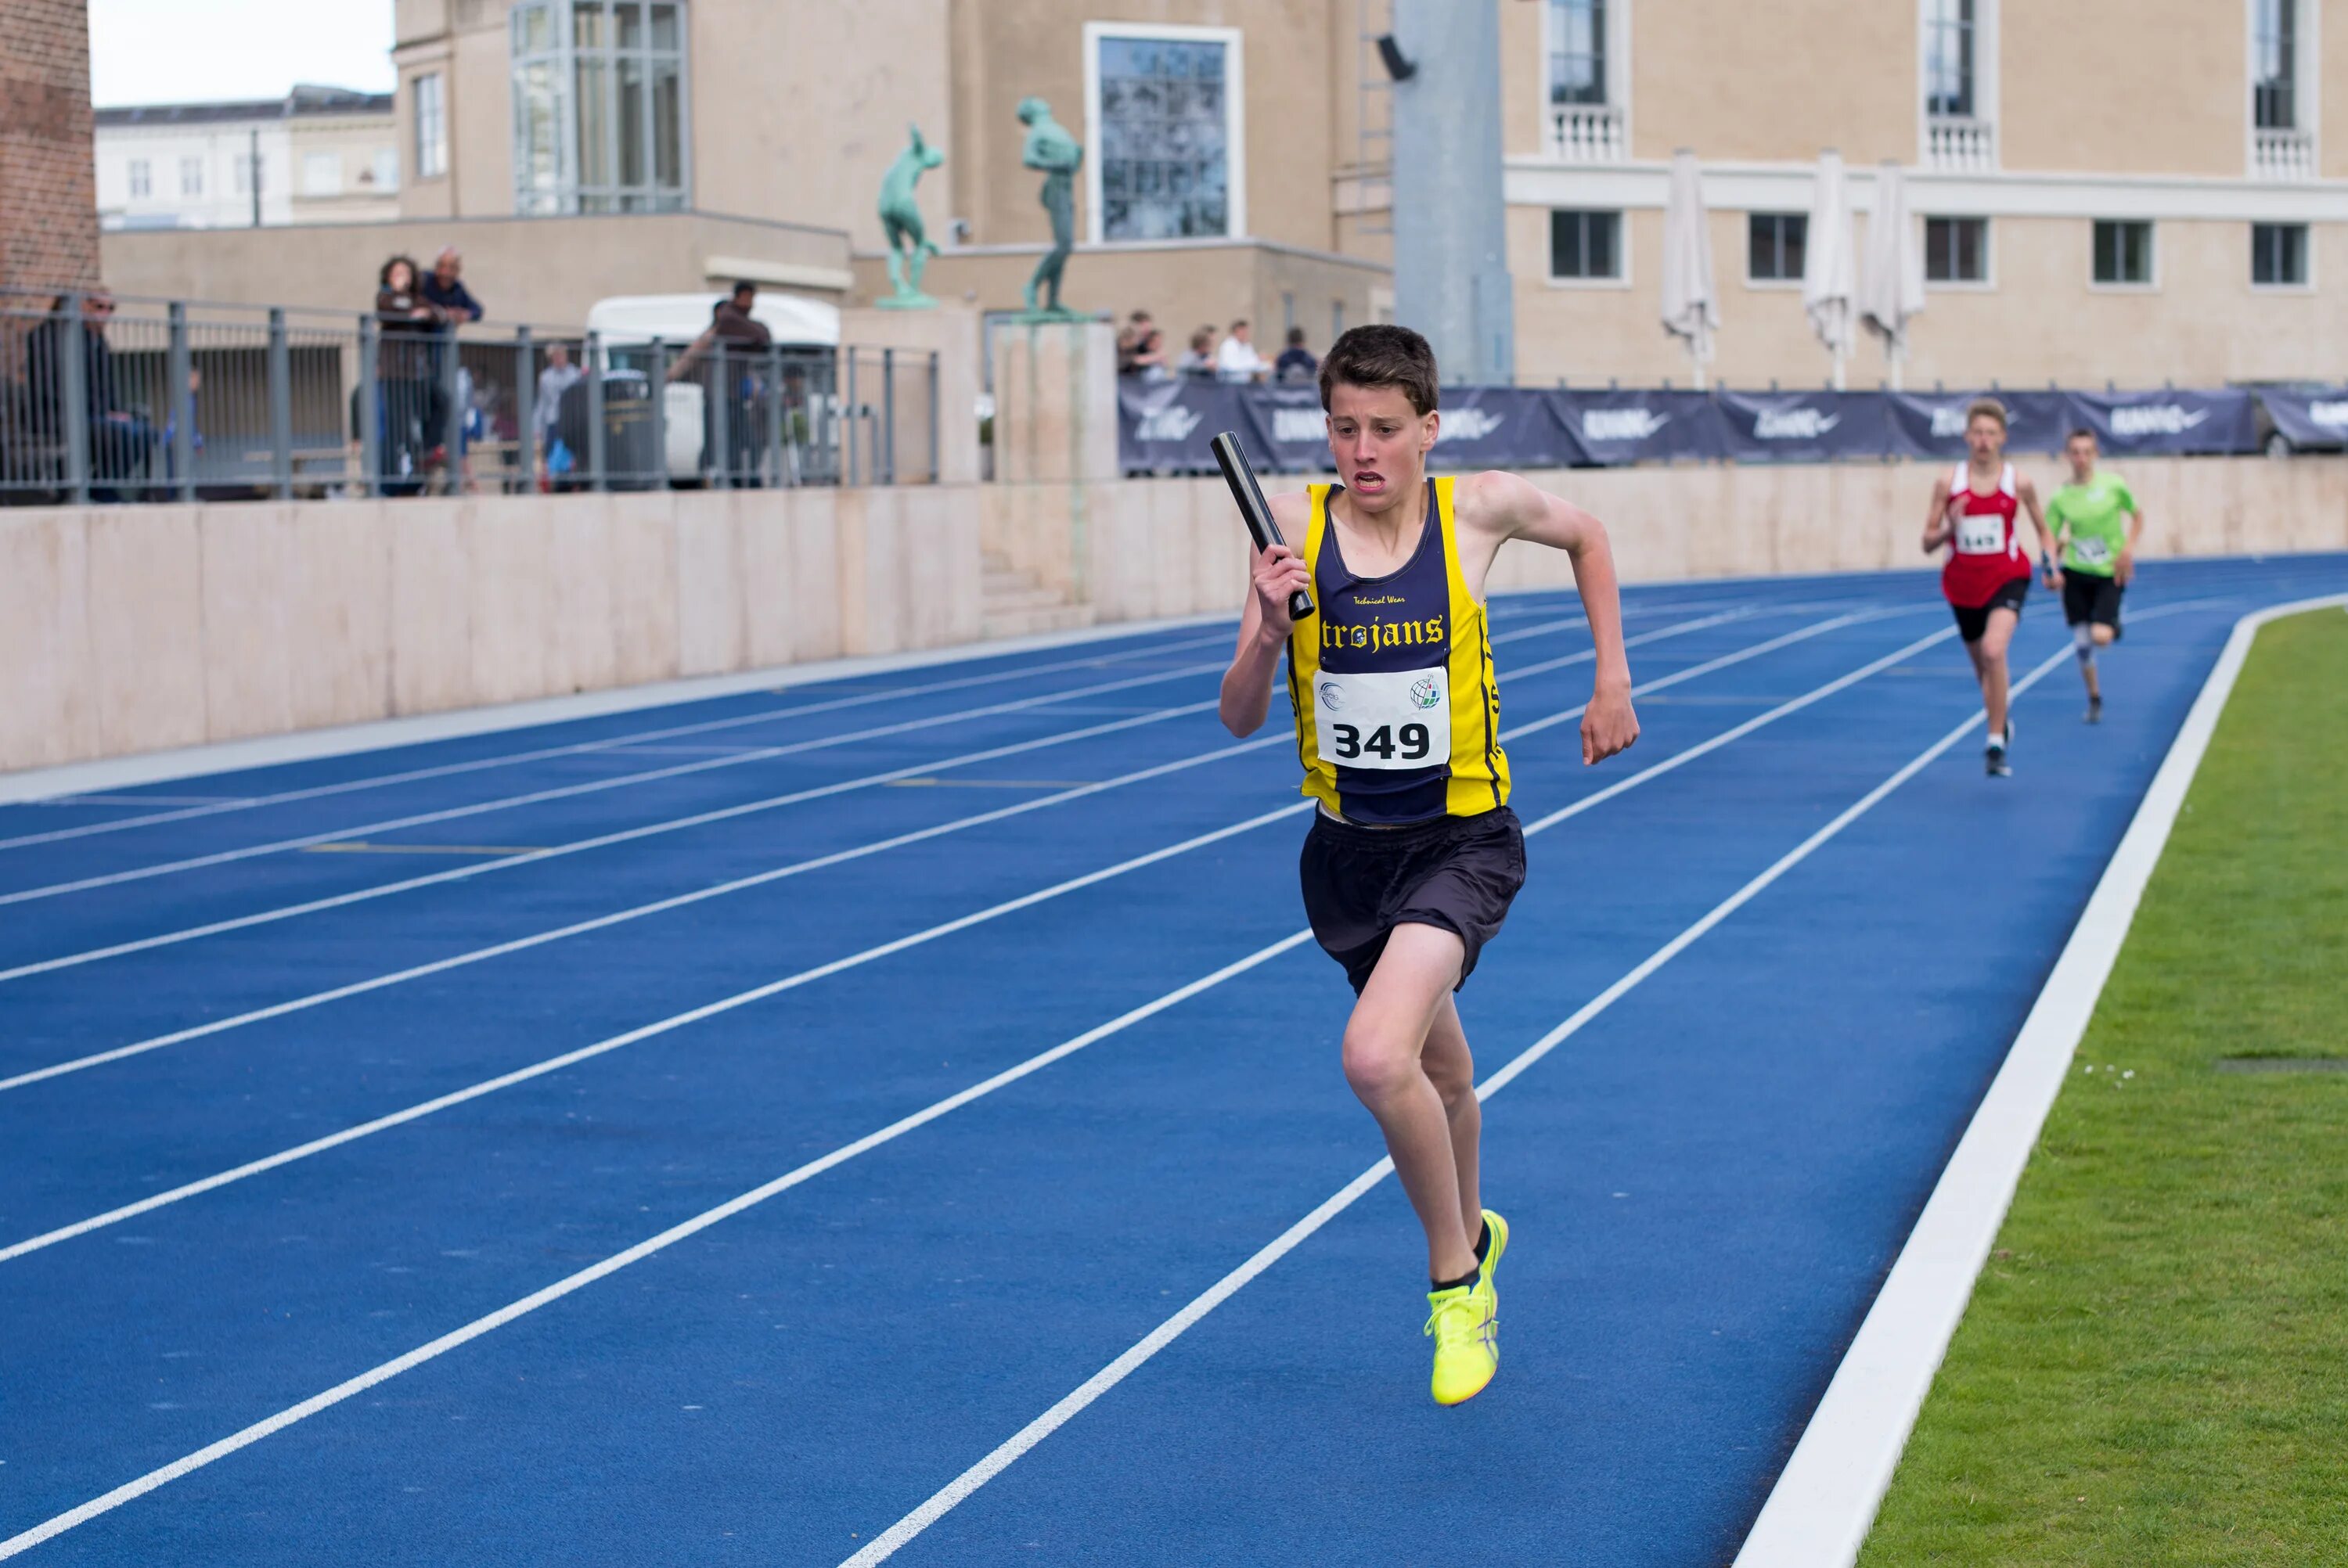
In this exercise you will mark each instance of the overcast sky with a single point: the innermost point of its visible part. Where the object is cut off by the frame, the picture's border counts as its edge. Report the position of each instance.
(195, 51)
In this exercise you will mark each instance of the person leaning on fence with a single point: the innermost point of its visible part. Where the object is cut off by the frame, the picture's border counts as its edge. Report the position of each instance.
(1296, 366)
(411, 412)
(1237, 359)
(744, 340)
(1129, 339)
(121, 440)
(1150, 358)
(1199, 361)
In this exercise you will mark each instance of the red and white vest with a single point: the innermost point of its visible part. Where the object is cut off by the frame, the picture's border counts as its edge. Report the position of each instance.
(1987, 552)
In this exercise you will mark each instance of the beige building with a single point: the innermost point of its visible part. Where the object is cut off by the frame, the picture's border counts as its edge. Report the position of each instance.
(2134, 190)
(319, 155)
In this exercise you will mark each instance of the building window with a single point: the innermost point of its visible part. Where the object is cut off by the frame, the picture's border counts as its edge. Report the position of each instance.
(386, 169)
(192, 177)
(1165, 130)
(1774, 246)
(2275, 64)
(2123, 252)
(599, 106)
(142, 178)
(431, 128)
(1949, 35)
(322, 174)
(1577, 58)
(1585, 244)
(2279, 255)
(1956, 249)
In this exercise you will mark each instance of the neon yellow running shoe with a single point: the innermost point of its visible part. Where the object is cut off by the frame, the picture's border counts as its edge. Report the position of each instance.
(1464, 1324)
(1499, 1228)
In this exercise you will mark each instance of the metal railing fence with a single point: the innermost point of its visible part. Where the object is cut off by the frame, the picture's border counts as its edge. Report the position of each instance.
(179, 400)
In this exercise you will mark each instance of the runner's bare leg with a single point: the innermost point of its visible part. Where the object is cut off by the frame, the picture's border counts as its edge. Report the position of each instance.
(1385, 1041)
(1452, 1069)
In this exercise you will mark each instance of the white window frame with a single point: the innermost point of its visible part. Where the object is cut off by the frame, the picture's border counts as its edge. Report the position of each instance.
(1987, 283)
(572, 194)
(1763, 284)
(2151, 286)
(139, 178)
(2308, 257)
(1235, 213)
(2307, 81)
(1618, 64)
(1985, 78)
(431, 156)
(1622, 277)
(384, 166)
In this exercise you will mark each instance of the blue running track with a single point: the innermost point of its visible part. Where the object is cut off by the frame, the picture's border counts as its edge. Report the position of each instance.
(584, 1144)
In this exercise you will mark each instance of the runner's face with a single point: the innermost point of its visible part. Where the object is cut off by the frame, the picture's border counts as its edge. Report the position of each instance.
(1986, 439)
(1379, 442)
(2082, 453)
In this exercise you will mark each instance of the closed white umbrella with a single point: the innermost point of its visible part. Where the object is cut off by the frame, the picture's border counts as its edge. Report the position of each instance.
(1691, 309)
(1828, 284)
(1891, 290)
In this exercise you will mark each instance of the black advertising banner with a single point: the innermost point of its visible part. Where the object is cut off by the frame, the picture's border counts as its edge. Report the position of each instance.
(2167, 424)
(1612, 429)
(1806, 426)
(2309, 416)
(1933, 424)
(1499, 427)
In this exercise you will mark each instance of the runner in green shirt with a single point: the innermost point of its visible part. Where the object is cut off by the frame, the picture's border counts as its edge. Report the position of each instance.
(2095, 518)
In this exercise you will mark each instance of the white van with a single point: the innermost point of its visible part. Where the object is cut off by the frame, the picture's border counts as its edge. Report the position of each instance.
(629, 321)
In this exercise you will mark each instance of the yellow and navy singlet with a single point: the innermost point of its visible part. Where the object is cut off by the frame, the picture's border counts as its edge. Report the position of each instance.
(1397, 708)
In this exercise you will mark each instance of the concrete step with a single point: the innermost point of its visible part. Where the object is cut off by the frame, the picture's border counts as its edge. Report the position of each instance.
(1035, 621)
(1003, 580)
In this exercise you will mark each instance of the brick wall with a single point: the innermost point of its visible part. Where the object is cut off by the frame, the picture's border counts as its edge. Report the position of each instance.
(48, 182)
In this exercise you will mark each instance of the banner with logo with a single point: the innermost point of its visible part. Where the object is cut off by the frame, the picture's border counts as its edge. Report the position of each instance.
(2309, 416)
(2166, 424)
(1933, 424)
(1805, 426)
(1612, 429)
(1163, 426)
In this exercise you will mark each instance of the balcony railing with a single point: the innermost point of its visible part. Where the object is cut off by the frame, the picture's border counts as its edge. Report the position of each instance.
(1587, 133)
(2282, 155)
(1960, 146)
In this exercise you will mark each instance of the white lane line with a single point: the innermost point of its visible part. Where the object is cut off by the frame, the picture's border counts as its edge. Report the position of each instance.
(1824, 1503)
(625, 836)
(517, 944)
(947, 1497)
(597, 787)
(513, 759)
(130, 1491)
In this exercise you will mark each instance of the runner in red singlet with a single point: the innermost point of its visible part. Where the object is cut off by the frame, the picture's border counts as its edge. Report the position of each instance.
(1988, 574)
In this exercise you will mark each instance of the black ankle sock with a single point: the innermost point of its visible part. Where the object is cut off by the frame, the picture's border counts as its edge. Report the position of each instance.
(1467, 1278)
(1483, 1244)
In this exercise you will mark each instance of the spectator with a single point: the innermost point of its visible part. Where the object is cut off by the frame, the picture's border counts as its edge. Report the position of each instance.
(744, 340)
(1129, 339)
(1150, 357)
(558, 378)
(121, 442)
(1199, 361)
(445, 288)
(412, 412)
(1296, 366)
(1237, 360)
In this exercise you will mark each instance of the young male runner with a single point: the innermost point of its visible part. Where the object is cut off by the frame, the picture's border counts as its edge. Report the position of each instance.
(1414, 855)
(2098, 557)
(1987, 575)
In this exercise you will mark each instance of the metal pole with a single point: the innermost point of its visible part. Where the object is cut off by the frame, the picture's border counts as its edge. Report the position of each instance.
(934, 420)
(256, 177)
(281, 405)
(592, 351)
(180, 398)
(720, 423)
(525, 410)
(775, 415)
(72, 372)
(889, 415)
(370, 408)
(452, 417)
(848, 470)
(657, 387)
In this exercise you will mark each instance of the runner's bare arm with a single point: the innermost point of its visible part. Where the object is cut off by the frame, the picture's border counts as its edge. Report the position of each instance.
(1265, 622)
(2125, 568)
(2027, 493)
(1500, 507)
(1937, 524)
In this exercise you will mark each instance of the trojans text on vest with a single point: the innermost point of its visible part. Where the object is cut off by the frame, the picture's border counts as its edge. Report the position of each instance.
(1380, 632)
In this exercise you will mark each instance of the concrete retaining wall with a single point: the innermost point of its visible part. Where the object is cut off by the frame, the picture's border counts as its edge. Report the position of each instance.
(130, 628)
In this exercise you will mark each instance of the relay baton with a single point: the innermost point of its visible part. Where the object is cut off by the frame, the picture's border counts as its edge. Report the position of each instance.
(1254, 510)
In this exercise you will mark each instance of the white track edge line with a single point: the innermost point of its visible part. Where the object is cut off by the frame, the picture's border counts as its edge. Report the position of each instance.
(1824, 1503)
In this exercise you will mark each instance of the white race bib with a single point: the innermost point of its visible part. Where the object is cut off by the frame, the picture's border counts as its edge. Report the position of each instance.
(1389, 719)
(2091, 552)
(1981, 534)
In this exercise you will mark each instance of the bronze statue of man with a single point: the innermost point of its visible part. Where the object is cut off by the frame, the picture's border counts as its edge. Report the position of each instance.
(910, 249)
(1051, 148)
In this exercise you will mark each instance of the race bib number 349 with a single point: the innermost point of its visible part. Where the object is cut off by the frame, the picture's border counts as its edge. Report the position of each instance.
(1390, 719)
(1981, 534)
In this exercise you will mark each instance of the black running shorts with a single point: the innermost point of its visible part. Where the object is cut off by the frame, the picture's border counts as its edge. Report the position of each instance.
(2092, 599)
(1457, 872)
(1973, 619)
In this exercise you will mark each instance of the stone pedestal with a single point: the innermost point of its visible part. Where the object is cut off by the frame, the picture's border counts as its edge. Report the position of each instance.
(1055, 401)
(951, 333)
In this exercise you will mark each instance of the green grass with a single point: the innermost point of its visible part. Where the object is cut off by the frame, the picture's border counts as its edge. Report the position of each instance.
(2154, 1369)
